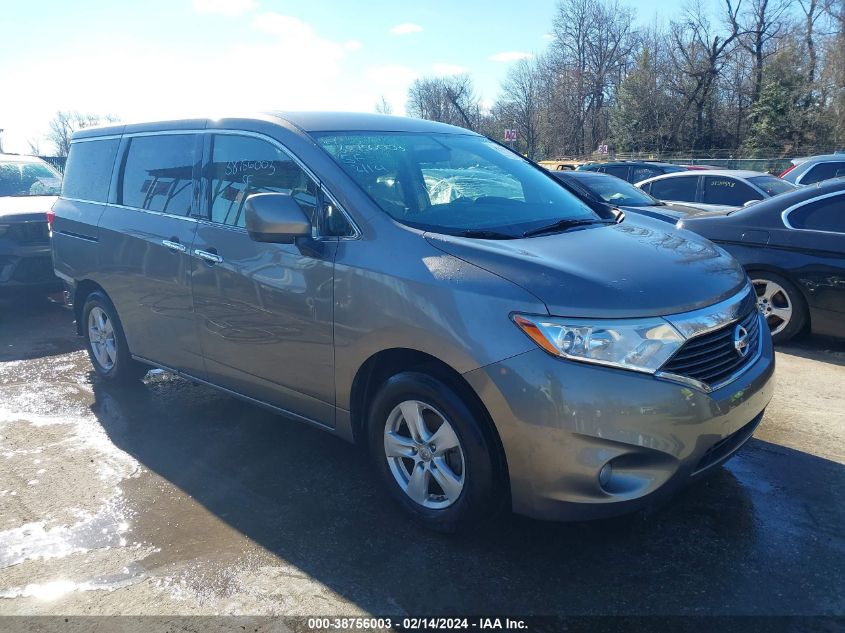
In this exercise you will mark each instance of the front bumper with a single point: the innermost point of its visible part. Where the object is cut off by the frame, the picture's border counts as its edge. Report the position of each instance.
(561, 421)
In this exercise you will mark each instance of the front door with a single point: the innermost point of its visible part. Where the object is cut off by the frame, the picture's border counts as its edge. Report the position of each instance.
(264, 311)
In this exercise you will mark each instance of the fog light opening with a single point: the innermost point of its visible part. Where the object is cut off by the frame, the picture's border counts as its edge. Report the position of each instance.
(605, 474)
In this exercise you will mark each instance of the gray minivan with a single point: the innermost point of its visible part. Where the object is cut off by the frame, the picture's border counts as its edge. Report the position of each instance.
(488, 337)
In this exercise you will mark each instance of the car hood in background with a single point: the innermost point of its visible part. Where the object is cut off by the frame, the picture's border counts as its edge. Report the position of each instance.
(640, 267)
(25, 206)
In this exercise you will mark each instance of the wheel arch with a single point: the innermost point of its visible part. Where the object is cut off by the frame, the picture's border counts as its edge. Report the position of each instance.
(750, 269)
(374, 371)
(81, 291)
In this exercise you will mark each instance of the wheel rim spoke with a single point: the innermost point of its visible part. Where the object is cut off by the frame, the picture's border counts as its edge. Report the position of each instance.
(418, 484)
(412, 412)
(448, 481)
(784, 314)
(444, 439)
(396, 445)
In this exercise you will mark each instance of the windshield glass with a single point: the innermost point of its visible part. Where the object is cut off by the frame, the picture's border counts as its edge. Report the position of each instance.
(449, 183)
(772, 185)
(28, 179)
(616, 191)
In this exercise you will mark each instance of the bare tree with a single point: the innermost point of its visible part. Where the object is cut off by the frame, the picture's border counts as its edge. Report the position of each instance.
(383, 106)
(521, 103)
(34, 145)
(762, 22)
(65, 123)
(700, 51)
(446, 99)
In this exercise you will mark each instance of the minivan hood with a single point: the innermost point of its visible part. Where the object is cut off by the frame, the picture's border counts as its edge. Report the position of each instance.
(25, 205)
(641, 267)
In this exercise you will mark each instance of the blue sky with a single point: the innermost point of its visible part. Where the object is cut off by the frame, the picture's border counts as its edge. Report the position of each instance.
(157, 58)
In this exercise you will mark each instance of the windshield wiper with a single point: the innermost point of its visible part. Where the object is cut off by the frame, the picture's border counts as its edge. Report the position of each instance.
(486, 235)
(562, 225)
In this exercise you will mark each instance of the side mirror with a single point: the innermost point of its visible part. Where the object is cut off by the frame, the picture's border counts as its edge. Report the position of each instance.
(275, 217)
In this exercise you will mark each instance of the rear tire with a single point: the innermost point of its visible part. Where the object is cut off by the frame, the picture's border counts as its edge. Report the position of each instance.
(781, 303)
(441, 466)
(106, 342)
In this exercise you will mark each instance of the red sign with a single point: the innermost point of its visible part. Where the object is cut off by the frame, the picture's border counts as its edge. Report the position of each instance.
(510, 135)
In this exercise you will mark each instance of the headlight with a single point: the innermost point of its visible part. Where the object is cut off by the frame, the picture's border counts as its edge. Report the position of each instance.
(637, 344)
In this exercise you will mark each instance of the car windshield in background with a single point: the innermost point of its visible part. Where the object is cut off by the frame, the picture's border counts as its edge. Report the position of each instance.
(617, 191)
(28, 179)
(454, 184)
(772, 185)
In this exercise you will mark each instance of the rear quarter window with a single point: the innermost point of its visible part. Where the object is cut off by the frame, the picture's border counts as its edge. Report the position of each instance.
(827, 214)
(89, 169)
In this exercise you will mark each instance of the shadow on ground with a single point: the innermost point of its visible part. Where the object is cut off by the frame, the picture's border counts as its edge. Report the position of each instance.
(763, 535)
(33, 327)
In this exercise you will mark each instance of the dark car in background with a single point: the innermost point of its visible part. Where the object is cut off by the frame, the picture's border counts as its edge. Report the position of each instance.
(606, 189)
(632, 171)
(28, 189)
(793, 247)
(715, 189)
(813, 169)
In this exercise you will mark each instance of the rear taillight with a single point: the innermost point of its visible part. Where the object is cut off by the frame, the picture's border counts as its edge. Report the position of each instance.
(786, 171)
(51, 216)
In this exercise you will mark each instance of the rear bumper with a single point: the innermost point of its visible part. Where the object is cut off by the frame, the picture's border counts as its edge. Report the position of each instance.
(561, 422)
(27, 267)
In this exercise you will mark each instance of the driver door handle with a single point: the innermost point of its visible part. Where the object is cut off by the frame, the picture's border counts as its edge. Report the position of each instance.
(211, 258)
(174, 246)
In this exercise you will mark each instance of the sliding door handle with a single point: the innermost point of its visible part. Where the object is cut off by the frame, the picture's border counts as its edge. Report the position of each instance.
(211, 258)
(176, 247)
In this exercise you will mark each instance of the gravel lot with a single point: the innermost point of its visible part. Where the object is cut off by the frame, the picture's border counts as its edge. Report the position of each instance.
(171, 498)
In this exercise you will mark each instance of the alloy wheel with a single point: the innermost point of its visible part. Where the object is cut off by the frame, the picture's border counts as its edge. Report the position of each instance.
(424, 454)
(773, 303)
(101, 336)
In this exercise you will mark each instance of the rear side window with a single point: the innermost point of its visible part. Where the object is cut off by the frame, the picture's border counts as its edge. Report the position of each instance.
(644, 173)
(682, 188)
(822, 215)
(728, 191)
(620, 171)
(823, 171)
(88, 170)
(158, 173)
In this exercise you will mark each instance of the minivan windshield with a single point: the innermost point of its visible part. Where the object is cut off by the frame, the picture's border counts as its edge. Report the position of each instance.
(455, 184)
(19, 178)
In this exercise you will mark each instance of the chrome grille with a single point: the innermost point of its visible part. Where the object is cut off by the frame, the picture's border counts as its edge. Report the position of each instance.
(712, 358)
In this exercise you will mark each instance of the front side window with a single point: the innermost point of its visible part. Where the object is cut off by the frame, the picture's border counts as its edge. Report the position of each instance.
(89, 168)
(827, 214)
(158, 173)
(453, 183)
(243, 165)
(728, 191)
(680, 189)
(824, 171)
(24, 179)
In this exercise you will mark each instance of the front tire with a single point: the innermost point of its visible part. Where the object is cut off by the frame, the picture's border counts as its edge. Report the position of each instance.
(430, 449)
(781, 304)
(106, 342)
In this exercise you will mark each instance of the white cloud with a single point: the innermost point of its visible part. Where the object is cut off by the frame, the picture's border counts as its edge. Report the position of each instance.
(230, 8)
(392, 81)
(448, 69)
(510, 56)
(352, 45)
(406, 28)
(548, 36)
